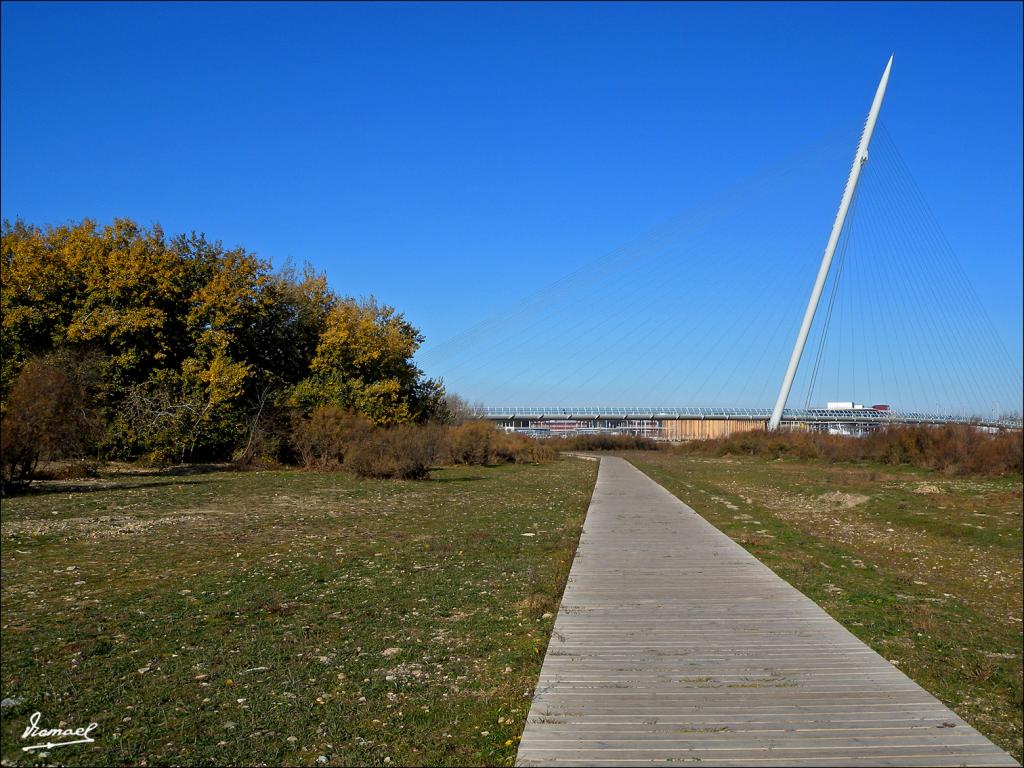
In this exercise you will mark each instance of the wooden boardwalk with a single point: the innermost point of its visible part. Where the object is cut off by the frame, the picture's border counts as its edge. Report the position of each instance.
(673, 644)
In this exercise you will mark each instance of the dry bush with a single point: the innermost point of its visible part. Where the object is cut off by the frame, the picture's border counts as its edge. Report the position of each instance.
(472, 443)
(79, 469)
(481, 443)
(323, 439)
(610, 443)
(513, 448)
(404, 452)
(48, 415)
(331, 438)
(773, 445)
(952, 448)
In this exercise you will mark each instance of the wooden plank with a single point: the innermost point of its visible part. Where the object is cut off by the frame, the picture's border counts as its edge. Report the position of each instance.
(673, 644)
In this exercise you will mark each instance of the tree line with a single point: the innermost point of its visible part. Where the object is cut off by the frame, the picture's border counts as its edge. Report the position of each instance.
(120, 342)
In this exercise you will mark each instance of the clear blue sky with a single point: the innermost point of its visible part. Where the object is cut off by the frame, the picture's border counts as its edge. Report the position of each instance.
(456, 159)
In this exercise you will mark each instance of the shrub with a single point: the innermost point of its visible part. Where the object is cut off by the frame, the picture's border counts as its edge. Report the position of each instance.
(48, 415)
(535, 452)
(513, 448)
(610, 443)
(323, 439)
(952, 448)
(67, 470)
(331, 438)
(481, 443)
(473, 442)
(405, 452)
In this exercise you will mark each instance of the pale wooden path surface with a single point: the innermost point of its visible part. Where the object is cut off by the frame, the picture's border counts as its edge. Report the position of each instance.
(673, 644)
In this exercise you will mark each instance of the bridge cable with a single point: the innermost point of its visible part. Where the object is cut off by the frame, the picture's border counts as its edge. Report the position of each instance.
(962, 287)
(844, 245)
(913, 242)
(593, 269)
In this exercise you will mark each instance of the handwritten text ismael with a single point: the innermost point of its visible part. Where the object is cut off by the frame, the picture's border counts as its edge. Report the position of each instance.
(73, 735)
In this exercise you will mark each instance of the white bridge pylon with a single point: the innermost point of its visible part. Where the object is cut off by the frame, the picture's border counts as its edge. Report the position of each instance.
(826, 260)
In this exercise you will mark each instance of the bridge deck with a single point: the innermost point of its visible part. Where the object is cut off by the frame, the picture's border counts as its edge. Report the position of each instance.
(674, 644)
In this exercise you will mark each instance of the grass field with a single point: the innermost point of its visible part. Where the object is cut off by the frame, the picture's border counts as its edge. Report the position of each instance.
(925, 568)
(307, 618)
(285, 617)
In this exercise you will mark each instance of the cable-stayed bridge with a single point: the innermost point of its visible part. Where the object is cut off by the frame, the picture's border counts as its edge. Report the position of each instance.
(704, 312)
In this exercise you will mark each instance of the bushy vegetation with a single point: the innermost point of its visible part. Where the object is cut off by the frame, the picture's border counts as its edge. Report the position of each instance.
(472, 443)
(404, 452)
(611, 443)
(120, 342)
(49, 413)
(479, 443)
(953, 448)
(322, 439)
(330, 438)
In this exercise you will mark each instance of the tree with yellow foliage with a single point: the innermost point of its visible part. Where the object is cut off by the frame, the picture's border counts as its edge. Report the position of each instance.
(363, 362)
(199, 347)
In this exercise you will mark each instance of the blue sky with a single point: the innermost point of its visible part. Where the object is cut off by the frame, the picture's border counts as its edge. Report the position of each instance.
(455, 160)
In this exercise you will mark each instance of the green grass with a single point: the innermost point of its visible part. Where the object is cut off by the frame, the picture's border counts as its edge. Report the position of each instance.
(277, 617)
(925, 568)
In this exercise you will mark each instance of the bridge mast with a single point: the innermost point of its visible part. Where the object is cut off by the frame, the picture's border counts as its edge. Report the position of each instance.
(826, 260)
